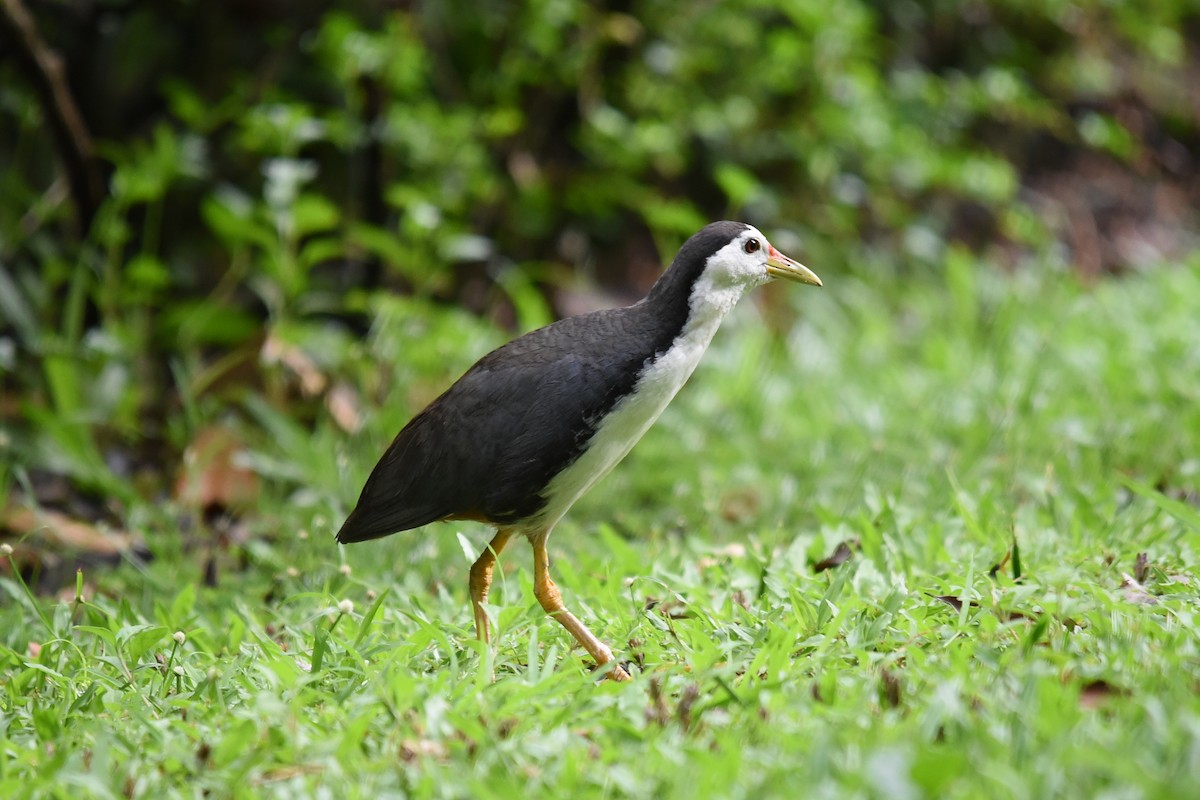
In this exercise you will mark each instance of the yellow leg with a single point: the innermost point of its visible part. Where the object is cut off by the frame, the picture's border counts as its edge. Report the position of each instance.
(481, 581)
(551, 599)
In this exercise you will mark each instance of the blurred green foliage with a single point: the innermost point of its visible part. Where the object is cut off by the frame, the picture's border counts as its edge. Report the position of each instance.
(310, 217)
(269, 172)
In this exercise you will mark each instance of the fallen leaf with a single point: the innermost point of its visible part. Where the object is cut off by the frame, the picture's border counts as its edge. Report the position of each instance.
(889, 690)
(277, 351)
(741, 505)
(212, 476)
(343, 404)
(1141, 567)
(683, 713)
(731, 550)
(840, 555)
(287, 773)
(1134, 591)
(1097, 693)
(411, 749)
(635, 652)
(657, 712)
(62, 532)
(954, 602)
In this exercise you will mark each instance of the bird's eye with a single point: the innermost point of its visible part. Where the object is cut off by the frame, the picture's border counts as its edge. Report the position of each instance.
(751, 246)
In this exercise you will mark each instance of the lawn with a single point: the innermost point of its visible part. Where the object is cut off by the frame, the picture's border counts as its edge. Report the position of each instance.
(995, 451)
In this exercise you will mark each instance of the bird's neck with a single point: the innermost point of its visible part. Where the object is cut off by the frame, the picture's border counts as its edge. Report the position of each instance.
(693, 311)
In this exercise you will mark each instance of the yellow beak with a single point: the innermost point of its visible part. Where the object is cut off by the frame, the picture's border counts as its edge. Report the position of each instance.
(780, 266)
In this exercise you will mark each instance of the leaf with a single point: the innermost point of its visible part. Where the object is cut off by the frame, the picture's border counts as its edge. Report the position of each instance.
(195, 322)
(320, 645)
(1141, 567)
(280, 349)
(182, 605)
(213, 474)
(312, 213)
(137, 639)
(1136, 593)
(738, 184)
(1098, 693)
(319, 250)
(954, 602)
(890, 688)
(57, 531)
(231, 216)
(365, 624)
(147, 274)
(342, 402)
(467, 548)
(17, 309)
(840, 555)
(108, 636)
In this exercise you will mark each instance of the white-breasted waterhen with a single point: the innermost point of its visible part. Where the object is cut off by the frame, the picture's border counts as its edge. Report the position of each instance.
(534, 424)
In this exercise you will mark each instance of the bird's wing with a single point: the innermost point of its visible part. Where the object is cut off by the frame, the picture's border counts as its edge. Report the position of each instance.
(488, 446)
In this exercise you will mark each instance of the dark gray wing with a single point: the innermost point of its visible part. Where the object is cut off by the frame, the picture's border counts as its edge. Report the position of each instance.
(489, 445)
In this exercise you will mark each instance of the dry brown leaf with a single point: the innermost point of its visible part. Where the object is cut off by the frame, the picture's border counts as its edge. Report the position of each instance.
(890, 688)
(732, 550)
(741, 505)
(954, 602)
(287, 773)
(211, 475)
(1134, 591)
(412, 749)
(1141, 567)
(840, 555)
(683, 712)
(343, 404)
(301, 364)
(1098, 693)
(62, 532)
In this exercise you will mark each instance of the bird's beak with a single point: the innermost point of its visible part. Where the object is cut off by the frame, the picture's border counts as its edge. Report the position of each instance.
(780, 266)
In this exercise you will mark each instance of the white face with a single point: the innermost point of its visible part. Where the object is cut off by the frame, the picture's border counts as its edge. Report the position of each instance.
(750, 260)
(741, 263)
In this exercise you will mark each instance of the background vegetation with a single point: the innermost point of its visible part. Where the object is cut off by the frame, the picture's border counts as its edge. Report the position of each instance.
(931, 531)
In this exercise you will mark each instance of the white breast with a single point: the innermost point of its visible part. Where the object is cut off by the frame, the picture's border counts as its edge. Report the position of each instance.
(633, 415)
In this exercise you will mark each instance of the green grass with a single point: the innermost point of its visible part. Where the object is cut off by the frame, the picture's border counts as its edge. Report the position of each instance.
(934, 422)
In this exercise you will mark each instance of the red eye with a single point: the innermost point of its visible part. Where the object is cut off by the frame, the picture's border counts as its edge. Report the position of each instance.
(751, 246)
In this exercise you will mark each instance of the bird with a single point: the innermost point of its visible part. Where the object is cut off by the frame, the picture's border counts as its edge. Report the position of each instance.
(534, 424)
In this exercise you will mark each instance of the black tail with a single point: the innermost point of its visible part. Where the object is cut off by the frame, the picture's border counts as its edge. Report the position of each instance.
(374, 519)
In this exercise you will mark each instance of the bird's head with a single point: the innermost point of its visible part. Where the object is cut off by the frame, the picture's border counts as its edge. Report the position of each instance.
(748, 259)
(722, 262)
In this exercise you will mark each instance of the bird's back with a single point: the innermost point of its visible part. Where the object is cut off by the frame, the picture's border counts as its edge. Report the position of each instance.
(488, 446)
